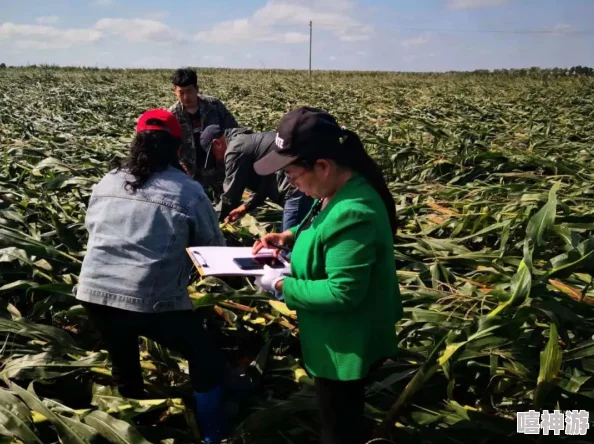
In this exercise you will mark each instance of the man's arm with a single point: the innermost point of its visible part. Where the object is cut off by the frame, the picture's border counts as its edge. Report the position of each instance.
(236, 177)
(265, 183)
(259, 195)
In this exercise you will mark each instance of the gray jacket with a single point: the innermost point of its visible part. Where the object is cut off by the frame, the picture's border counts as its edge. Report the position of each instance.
(244, 148)
(136, 255)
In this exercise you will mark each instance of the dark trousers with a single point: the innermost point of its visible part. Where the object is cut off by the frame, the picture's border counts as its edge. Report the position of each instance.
(341, 405)
(177, 330)
(295, 209)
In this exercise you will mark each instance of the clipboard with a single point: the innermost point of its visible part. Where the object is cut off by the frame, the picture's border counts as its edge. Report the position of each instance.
(218, 261)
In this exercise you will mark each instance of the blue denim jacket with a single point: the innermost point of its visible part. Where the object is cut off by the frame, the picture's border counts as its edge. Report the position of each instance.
(136, 255)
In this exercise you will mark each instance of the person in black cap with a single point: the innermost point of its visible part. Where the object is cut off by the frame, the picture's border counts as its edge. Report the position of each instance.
(236, 150)
(343, 281)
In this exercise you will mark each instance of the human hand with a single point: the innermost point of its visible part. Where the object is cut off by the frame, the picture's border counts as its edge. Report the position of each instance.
(271, 279)
(266, 241)
(236, 214)
(184, 167)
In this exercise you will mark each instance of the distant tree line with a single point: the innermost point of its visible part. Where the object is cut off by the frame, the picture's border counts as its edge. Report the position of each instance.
(534, 71)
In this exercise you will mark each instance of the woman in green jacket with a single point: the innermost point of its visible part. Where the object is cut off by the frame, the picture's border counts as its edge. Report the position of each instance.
(343, 281)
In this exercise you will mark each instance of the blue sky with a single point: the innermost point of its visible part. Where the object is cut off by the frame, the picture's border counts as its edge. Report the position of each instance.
(397, 35)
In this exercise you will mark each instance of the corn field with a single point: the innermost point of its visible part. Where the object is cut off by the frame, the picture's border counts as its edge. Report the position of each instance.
(494, 184)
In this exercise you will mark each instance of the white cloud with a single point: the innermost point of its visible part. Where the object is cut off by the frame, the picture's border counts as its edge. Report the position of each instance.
(155, 15)
(48, 20)
(284, 12)
(234, 31)
(241, 30)
(361, 53)
(295, 37)
(474, 4)
(278, 21)
(270, 22)
(51, 37)
(333, 5)
(248, 55)
(30, 35)
(103, 3)
(38, 44)
(417, 41)
(138, 30)
(354, 38)
(332, 58)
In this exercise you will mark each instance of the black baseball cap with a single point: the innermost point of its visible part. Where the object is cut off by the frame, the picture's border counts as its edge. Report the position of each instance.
(210, 133)
(304, 132)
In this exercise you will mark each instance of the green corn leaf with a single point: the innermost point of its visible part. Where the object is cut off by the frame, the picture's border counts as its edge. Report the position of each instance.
(519, 289)
(16, 418)
(69, 430)
(550, 365)
(114, 430)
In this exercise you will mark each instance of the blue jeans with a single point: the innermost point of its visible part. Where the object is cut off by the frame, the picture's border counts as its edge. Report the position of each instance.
(295, 210)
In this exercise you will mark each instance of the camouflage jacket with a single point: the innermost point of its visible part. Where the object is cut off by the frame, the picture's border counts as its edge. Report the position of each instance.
(212, 112)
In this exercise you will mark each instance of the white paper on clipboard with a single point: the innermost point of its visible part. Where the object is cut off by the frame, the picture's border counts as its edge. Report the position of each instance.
(218, 261)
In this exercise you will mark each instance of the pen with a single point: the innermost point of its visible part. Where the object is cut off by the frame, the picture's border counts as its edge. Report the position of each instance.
(275, 245)
(279, 246)
(285, 251)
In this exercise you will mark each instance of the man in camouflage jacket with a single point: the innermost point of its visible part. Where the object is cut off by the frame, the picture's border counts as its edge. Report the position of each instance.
(195, 112)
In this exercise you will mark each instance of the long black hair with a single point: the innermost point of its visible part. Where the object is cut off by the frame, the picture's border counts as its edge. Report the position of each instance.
(150, 152)
(352, 154)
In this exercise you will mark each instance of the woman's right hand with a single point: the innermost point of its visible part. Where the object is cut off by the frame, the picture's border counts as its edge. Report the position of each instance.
(285, 239)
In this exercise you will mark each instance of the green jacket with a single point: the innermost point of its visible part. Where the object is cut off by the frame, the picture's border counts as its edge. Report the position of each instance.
(343, 285)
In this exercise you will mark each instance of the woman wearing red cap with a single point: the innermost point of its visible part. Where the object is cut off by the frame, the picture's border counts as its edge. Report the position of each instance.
(343, 281)
(141, 218)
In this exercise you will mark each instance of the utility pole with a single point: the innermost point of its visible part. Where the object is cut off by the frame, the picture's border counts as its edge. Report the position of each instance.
(310, 38)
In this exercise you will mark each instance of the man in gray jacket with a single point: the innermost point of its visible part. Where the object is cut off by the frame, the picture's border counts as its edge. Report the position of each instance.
(236, 150)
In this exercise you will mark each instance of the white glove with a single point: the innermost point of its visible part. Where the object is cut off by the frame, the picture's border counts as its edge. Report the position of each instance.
(270, 277)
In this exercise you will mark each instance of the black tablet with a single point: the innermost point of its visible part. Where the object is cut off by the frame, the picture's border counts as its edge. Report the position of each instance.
(256, 263)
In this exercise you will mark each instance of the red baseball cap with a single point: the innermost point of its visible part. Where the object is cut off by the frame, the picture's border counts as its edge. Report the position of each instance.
(159, 119)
